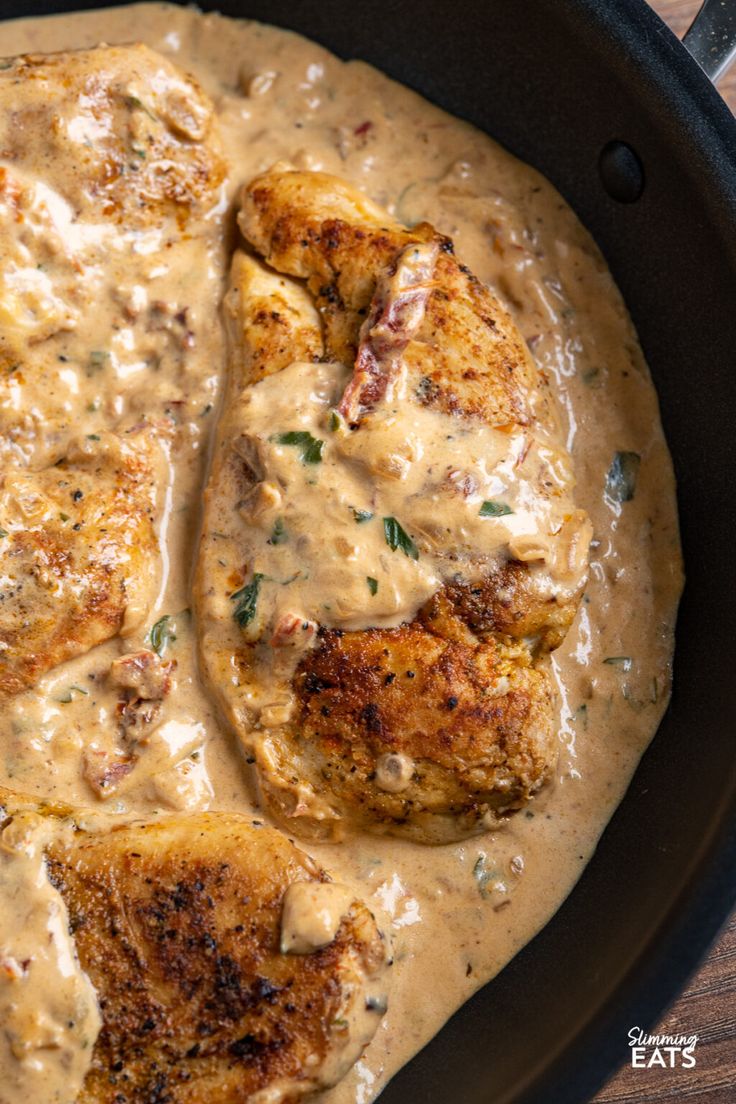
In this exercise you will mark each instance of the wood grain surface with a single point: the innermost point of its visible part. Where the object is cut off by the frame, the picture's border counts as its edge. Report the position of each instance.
(707, 1008)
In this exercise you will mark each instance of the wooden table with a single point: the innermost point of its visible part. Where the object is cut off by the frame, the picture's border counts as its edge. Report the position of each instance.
(708, 1005)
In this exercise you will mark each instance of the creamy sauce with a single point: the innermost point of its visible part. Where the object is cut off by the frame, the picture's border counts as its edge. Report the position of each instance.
(456, 913)
(311, 915)
(415, 451)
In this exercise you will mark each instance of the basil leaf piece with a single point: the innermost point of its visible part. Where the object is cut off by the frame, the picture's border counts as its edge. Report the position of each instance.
(247, 600)
(361, 516)
(494, 509)
(311, 448)
(372, 584)
(622, 475)
(396, 537)
(161, 635)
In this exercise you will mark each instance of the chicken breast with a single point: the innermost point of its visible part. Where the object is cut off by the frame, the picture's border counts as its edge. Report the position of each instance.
(78, 552)
(111, 169)
(391, 545)
(226, 965)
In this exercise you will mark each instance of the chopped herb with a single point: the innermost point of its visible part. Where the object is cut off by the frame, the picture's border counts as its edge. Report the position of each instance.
(246, 599)
(278, 533)
(134, 102)
(98, 359)
(3, 533)
(93, 436)
(396, 537)
(335, 421)
(93, 406)
(362, 515)
(206, 409)
(494, 509)
(340, 1023)
(69, 696)
(161, 635)
(311, 448)
(624, 662)
(622, 475)
(64, 517)
(483, 875)
(372, 584)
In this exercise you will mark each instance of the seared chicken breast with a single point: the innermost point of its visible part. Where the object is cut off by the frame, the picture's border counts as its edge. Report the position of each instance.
(390, 544)
(225, 963)
(111, 168)
(78, 552)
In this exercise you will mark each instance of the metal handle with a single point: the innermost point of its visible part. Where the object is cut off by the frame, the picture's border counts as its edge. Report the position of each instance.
(712, 38)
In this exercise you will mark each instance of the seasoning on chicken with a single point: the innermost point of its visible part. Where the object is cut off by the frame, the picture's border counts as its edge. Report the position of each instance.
(78, 552)
(390, 482)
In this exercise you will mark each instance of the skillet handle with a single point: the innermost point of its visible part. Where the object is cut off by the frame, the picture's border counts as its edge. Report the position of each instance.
(712, 38)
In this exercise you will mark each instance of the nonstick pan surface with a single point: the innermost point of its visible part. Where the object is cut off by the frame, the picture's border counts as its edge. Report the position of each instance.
(556, 81)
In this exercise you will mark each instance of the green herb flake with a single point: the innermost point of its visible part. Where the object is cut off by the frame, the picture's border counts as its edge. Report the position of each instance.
(161, 635)
(98, 359)
(3, 533)
(335, 421)
(311, 448)
(361, 516)
(246, 600)
(63, 517)
(396, 537)
(134, 103)
(494, 509)
(483, 875)
(68, 697)
(624, 662)
(622, 476)
(372, 584)
(278, 533)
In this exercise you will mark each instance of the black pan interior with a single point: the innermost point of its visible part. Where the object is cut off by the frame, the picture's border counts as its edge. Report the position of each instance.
(555, 81)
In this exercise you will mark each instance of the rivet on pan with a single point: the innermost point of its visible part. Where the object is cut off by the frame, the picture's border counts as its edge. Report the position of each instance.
(621, 172)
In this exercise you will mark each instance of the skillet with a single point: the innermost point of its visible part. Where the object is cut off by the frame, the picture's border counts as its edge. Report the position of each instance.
(601, 97)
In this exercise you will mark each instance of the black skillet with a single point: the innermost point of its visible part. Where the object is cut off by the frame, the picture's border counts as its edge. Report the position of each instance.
(601, 97)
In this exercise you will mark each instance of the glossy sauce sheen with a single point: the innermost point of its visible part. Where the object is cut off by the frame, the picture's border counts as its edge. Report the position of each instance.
(457, 913)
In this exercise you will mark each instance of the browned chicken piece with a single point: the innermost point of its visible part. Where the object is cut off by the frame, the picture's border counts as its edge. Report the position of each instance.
(78, 553)
(227, 965)
(122, 128)
(390, 544)
(112, 167)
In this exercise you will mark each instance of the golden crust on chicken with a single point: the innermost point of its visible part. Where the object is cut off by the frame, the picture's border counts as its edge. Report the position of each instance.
(390, 544)
(226, 964)
(78, 553)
